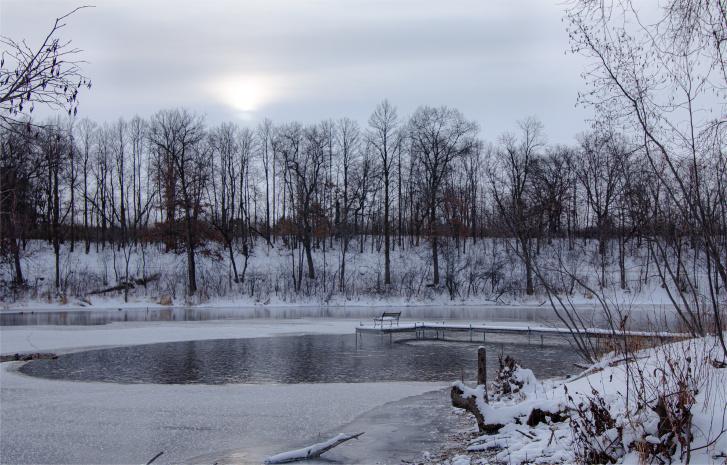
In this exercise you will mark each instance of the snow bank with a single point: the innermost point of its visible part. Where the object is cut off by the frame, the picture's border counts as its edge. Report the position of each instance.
(612, 388)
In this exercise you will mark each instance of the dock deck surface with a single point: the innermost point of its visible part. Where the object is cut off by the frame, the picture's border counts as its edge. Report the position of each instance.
(420, 330)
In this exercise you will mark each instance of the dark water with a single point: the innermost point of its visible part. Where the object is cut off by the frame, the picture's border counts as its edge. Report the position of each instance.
(299, 359)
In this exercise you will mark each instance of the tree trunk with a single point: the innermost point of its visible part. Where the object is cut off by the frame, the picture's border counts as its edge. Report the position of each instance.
(344, 249)
(433, 233)
(16, 260)
(387, 245)
(622, 261)
(232, 259)
(191, 269)
(527, 260)
(309, 257)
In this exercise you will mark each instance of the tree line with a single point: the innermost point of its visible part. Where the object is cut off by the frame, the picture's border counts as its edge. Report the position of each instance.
(389, 184)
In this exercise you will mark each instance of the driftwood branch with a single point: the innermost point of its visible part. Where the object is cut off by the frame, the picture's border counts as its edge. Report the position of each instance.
(311, 452)
(28, 357)
(154, 458)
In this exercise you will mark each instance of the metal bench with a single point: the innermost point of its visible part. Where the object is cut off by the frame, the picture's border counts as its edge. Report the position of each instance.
(387, 317)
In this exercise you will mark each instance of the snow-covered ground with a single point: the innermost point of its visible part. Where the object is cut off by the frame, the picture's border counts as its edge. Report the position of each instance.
(70, 422)
(612, 408)
(50, 421)
(486, 272)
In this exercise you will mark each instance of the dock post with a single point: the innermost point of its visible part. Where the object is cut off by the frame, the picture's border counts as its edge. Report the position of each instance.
(481, 366)
(470, 332)
(482, 369)
(541, 340)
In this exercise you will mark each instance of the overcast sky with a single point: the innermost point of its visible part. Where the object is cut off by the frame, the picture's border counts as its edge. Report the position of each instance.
(496, 60)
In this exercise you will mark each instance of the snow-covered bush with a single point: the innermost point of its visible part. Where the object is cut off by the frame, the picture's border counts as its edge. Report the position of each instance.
(597, 436)
(512, 380)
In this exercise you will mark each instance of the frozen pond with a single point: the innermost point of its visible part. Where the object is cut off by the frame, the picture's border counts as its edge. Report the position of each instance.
(237, 390)
(300, 359)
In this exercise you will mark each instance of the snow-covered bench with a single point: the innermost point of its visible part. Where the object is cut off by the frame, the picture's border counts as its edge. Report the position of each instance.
(387, 317)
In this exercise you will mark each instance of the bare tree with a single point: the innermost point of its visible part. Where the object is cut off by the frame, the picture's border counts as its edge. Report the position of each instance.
(85, 133)
(472, 166)
(304, 154)
(553, 185)
(662, 78)
(265, 148)
(385, 139)
(349, 139)
(54, 146)
(601, 171)
(47, 75)
(21, 170)
(439, 136)
(178, 134)
(512, 174)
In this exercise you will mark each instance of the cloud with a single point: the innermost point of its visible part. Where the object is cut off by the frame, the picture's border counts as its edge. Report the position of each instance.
(496, 60)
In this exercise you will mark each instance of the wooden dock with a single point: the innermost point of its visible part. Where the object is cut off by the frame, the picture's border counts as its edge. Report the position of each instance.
(479, 332)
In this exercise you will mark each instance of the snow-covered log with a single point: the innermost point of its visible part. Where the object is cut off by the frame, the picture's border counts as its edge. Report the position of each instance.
(311, 452)
(473, 400)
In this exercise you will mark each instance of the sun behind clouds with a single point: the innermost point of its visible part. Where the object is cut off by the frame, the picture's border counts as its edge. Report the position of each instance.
(244, 93)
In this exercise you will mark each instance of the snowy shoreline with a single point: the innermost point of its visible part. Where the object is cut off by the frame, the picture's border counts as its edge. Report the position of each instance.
(611, 412)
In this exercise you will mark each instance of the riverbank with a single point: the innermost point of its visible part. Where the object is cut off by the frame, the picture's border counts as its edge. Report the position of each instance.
(666, 403)
(486, 272)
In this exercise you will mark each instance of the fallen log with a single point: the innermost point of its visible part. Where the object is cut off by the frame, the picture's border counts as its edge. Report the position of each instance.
(28, 357)
(313, 451)
(119, 287)
(124, 285)
(473, 400)
(147, 279)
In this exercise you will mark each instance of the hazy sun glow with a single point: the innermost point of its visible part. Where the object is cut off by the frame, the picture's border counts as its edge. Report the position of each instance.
(243, 93)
